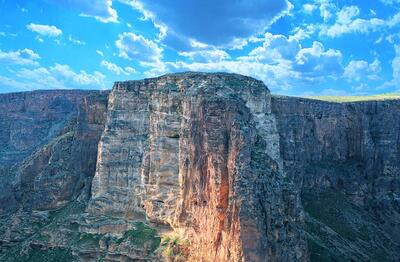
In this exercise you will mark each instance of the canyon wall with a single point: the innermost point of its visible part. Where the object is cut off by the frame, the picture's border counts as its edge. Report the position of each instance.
(48, 146)
(200, 153)
(345, 157)
(237, 173)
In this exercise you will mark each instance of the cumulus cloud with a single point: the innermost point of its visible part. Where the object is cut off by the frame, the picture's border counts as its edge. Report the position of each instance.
(44, 30)
(276, 47)
(281, 62)
(395, 81)
(59, 76)
(316, 62)
(326, 9)
(19, 57)
(358, 70)
(309, 8)
(101, 10)
(210, 55)
(348, 21)
(210, 22)
(117, 69)
(135, 47)
(346, 14)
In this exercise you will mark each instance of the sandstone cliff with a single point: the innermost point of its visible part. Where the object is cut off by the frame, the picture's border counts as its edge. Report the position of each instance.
(211, 163)
(200, 153)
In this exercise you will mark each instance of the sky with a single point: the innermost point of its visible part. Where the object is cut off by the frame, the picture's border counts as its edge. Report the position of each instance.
(302, 48)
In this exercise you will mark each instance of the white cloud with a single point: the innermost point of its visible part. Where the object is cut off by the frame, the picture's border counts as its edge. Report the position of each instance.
(147, 15)
(7, 82)
(19, 57)
(101, 10)
(276, 47)
(309, 8)
(213, 55)
(61, 76)
(326, 9)
(348, 22)
(316, 62)
(396, 65)
(358, 70)
(76, 41)
(280, 62)
(356, 26)
(390, 2)
(135, 47)
(346, 14)
(117, 69)
(100, 53)
(395, 81)
(204, 21)
(303, 33)
(55, 77)
(66, 74)
(45, 30)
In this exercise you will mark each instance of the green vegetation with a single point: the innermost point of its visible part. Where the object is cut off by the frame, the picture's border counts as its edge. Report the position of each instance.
(338, 230)
(320, 253)
(142, 236)
(331, 208)
(37, 254)
(345, 99)
(174, 247)
(88, 240)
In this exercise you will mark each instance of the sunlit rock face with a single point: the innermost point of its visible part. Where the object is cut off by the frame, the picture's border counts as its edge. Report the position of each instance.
(200, 153)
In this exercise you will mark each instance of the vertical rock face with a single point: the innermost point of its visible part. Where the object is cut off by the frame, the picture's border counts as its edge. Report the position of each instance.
(200, 153)
(48, 146)
(241, 174)
(346, 158)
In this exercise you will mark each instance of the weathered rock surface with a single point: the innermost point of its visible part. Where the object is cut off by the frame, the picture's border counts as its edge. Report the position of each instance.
(48, 146)
(200, 153)
(346, 159)
(213, 161)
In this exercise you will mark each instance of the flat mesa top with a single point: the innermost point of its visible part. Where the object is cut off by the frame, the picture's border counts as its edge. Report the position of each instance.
(348, 99)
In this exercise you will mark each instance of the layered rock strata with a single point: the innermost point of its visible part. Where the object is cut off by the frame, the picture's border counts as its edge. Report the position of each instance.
(200, 153)
(212, 163)
(345, 157)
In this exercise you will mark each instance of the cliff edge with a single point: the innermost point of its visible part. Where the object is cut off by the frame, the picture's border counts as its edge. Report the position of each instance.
(197, 167)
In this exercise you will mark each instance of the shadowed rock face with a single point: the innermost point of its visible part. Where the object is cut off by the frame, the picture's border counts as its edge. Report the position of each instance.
(48, 146)
(346, 159)
(241, 174)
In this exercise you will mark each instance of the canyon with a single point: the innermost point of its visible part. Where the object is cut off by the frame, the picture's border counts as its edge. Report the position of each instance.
(197, 167)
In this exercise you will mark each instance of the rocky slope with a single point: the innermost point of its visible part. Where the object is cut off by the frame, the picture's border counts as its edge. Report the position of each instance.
(211, 163)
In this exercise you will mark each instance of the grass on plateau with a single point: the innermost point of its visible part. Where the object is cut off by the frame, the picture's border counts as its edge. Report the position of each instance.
(346, 99)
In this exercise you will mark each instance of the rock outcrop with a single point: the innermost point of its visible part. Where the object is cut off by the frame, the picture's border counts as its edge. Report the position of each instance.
(213, 164)
(200, 153)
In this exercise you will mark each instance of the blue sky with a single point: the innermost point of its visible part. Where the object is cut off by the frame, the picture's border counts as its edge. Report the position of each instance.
(317, 47)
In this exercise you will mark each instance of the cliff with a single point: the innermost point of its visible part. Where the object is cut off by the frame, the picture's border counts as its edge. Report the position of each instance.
(212, 166)
(345, 157)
